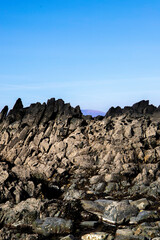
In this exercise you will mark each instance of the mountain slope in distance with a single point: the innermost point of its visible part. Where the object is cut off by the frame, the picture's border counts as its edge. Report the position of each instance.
(93, 113)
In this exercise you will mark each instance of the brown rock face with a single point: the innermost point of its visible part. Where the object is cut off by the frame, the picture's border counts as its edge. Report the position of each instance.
(53, 158)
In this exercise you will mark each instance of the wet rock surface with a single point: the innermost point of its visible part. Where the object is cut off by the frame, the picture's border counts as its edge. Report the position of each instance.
(67, 176)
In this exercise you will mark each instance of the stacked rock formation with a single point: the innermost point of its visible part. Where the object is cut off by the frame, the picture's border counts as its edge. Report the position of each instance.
(68, 176)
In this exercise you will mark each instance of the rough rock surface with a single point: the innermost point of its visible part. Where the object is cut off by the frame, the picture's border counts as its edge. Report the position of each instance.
(68, 176)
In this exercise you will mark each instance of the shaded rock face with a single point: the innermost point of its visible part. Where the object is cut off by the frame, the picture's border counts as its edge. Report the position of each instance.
(141, 107)
(52, 225)
(3, 113)
(93, 178)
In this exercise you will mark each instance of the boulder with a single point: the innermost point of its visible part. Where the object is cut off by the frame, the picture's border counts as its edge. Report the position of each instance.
(119, 212)
(21, 215)
(52, 225)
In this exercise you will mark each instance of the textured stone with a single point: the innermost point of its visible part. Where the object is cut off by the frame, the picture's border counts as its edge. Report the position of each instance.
(22, 214)
(119, 212)
(141, 204)
(95, 236)
(3, 176)
(126, 232)
(50, 153)
(93, 207)
(52, 225)
(144, 216)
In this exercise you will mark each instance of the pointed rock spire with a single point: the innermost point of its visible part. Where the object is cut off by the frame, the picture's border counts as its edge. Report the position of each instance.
(18, 105)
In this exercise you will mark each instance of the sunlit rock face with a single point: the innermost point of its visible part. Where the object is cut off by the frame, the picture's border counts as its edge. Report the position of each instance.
(65, 173)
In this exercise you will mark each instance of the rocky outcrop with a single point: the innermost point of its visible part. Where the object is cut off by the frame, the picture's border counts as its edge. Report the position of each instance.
(3, 113)
(67, 176)
(142, 107)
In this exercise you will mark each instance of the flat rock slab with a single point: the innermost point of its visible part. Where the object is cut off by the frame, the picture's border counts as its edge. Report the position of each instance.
(93, 207)
(141, 203)
(144, 216)
(119, 212)
(110, 211)
(52, 225)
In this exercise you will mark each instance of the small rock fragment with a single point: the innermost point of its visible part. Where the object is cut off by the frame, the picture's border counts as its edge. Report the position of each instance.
(95, 236)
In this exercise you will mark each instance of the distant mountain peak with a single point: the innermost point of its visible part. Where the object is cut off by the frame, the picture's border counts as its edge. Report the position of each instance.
(93, 113)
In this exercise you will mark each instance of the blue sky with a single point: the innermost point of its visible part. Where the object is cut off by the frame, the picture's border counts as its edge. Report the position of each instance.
(92, 53)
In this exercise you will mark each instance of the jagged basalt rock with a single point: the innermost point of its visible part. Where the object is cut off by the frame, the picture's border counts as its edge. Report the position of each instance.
(18, 105)
(17, 112)
(141, 107)
(3, 113)
(97, 173)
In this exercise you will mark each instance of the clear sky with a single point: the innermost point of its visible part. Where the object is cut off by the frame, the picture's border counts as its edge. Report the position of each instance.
(92, 53)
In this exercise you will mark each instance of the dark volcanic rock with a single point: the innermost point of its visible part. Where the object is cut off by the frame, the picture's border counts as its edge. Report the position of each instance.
(3, 113)
(50, 111)
(18, 105)
(33, 114)
(114, 111)
(141, 107)
(17, 112)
